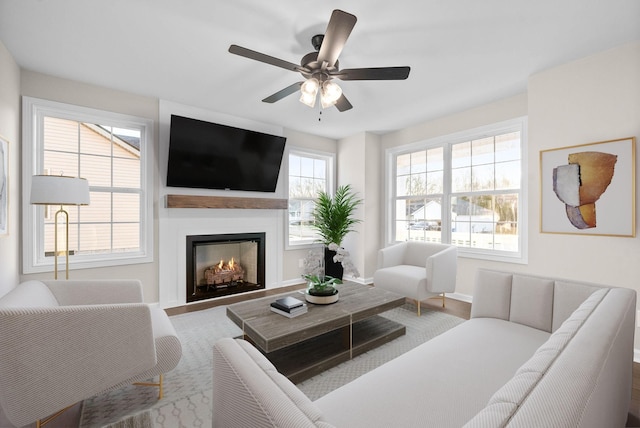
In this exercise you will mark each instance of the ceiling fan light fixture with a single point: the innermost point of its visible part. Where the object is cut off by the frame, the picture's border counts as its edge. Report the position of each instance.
(330, 93)
(308, 91)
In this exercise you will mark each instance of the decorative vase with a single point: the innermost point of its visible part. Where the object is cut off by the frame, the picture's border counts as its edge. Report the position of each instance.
(324, 296)
(332, 268)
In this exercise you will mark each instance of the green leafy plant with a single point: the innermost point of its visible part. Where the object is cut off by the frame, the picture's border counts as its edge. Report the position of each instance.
(333, 217)
(321, 285)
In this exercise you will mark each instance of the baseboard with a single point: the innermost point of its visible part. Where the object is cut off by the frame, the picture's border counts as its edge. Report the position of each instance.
(460, 296)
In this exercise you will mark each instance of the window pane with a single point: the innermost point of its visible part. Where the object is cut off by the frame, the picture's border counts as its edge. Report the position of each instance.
(319, 168)
(60, 163)
(508, 175)
(482, 177)
(403, 185)
(418, 162)
(435, 182)
(461, 180)
(306, 167)
(508, 147)
(96, 169)
(461, 155)
(435, 159)
(128, 207)
(60, 134)
(126, 173)
(294, 165)
(403, 164)
(126, 237)
(93, 138)
(99, 210)
(482, 151)
(417, 184)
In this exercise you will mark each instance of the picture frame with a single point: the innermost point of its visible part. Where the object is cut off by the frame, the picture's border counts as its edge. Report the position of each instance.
(4, 185)
(589, 189)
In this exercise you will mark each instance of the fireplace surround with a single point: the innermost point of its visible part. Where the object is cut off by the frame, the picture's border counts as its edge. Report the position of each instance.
(224, 264)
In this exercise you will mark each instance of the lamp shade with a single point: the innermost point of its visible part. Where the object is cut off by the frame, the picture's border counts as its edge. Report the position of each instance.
(59, 190)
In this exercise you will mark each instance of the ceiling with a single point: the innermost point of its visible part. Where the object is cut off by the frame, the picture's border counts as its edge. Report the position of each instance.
(462, 53)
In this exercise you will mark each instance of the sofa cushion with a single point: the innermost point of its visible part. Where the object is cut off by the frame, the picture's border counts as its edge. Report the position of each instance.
(567, 296)
(443, 382)
(505, 402)
(29, 294)
(492, 295)
(532, 302)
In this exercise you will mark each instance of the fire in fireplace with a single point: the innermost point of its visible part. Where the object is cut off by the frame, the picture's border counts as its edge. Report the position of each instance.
(220, 265)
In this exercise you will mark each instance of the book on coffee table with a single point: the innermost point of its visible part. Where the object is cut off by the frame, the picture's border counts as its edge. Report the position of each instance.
(287, 303)
(291, 313)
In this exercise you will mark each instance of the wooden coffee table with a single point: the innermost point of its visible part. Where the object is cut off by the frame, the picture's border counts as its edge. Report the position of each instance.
(326, 335)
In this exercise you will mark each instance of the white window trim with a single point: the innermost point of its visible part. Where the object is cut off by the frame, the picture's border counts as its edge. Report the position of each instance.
(331, 180)
(33, 109)
(517, 124)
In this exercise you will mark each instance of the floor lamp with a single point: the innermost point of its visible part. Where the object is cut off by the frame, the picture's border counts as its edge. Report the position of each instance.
(59, 190)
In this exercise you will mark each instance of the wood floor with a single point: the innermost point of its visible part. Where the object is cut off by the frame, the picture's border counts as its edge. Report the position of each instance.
(458, 308)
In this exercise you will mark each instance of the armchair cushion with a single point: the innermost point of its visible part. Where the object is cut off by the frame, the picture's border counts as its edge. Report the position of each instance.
(30, 294)
(417, 269)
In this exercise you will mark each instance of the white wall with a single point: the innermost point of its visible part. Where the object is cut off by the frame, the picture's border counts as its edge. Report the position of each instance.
(10, 130)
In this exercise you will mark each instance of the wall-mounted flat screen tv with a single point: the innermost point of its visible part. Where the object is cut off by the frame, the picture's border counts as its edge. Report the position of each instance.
(214, 156)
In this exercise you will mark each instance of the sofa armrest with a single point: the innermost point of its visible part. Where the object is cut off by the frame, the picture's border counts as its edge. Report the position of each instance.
(441, 271)
(54, 357)
(96, 292)
(392, 255)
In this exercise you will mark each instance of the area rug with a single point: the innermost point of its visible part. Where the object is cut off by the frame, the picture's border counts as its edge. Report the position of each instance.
(187, 401)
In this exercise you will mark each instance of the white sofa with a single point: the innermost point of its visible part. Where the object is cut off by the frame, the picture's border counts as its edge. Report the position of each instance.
(537, 352)
(417, 270)
(66, 340)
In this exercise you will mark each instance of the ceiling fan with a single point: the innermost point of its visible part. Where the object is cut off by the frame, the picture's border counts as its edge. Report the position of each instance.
(321, 66)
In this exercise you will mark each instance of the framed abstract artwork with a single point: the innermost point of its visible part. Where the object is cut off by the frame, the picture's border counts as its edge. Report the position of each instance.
(589, 189)
(4, 185)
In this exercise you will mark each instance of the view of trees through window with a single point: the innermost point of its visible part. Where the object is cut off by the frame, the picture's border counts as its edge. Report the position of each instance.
(307, 177)
(466, 193)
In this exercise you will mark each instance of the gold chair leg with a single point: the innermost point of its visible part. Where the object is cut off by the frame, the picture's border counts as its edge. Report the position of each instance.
(159, 384)
(418, 304)
(443, 297)
(42, 422)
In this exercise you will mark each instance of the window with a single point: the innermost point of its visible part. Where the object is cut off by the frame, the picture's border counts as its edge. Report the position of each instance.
(309, 173)
(464, 189)
(112, 152)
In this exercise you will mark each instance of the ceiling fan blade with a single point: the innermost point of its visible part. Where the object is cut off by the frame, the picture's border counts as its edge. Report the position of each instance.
(375, 73)
(283, 93)
(343, 103)
(336, 35)
(257, 56)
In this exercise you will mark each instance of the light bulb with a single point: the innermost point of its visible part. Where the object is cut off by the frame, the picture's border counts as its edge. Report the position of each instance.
(308, 91)
(329, 94)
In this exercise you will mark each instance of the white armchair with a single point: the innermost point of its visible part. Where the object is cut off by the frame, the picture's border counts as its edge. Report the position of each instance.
(417, 270)
(64, 341)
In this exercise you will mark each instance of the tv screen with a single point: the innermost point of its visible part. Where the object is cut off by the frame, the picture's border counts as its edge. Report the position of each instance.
(213, 156)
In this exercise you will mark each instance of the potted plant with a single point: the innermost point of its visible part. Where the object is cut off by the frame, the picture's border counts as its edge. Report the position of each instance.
(333, 219)
(321, 289)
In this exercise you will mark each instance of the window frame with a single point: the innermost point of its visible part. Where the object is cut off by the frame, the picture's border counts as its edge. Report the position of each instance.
(33, 112)
(447, 141)
(330, 159)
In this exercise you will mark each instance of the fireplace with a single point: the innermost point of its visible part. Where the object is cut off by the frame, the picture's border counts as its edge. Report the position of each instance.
(224, 264)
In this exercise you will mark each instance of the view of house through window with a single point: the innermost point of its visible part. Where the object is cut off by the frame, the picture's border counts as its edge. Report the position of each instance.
(309, 173)
(109, 158)
(466, 193)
